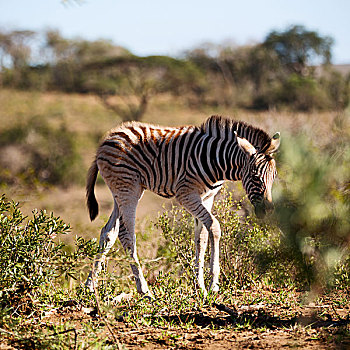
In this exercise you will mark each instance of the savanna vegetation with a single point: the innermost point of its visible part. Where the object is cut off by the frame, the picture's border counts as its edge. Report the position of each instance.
(285, 281)
(280, 71)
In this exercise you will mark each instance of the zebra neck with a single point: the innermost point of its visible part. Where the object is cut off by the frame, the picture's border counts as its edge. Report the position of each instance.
(221, 159)
(232, 161)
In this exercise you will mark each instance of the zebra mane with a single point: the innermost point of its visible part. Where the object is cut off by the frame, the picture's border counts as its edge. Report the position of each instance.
(220, 126)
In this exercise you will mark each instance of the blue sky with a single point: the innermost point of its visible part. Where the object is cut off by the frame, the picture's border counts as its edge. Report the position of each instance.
(148, 27)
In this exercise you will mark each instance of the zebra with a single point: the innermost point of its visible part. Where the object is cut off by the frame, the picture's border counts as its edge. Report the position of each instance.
(189, 163)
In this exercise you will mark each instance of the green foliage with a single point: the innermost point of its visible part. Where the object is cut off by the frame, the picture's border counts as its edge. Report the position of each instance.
(278, 72)
(178, 229)
(337, 88)
(174, 297)
(272, 74)
(312, 202)
(28, 252)
(37, 152)
(31, 258)
(296, 84)
(250, 250)
(298, 48)
(303, 93)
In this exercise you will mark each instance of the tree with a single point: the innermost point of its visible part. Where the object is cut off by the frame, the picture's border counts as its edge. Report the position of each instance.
(68, 57)
(15, 46)
(298, 48)
(126, 84)
(131, 96)
(15, 52)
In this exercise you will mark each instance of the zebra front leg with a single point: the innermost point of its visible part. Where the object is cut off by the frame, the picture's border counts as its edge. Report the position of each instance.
(201, 241)
(108, 237)
(201, 211)
(214, 235)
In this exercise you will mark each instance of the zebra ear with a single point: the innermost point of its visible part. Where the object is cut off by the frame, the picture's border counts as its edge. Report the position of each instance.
(245, 146)
(275, 143)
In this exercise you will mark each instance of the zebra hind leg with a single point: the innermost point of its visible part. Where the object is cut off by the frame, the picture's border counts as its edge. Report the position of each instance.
(127, 198)
(108, 237)
(128, 241)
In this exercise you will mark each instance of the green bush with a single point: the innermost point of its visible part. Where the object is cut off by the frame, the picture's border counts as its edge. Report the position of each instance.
(28, 252)
(313, 203)
(250, 251)
(35, 151)
(337, 87)
(31, 259)
(302, 93)
(178, 229)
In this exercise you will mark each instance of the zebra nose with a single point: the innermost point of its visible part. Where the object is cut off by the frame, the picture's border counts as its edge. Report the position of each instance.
(269, 206)
(260, 211)
(262, 208)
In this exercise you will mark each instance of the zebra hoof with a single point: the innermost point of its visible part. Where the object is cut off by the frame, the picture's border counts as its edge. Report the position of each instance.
(148, 297)
(214, 288)
(89, 286)
(119, 298)
(203, 292)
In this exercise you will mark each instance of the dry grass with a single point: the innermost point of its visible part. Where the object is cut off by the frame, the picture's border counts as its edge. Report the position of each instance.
(264, 318)
(90, 120)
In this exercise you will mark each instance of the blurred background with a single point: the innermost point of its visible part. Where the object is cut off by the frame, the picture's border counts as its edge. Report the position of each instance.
(71, 70)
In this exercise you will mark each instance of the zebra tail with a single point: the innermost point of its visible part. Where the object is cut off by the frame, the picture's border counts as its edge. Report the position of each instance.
(90, 193)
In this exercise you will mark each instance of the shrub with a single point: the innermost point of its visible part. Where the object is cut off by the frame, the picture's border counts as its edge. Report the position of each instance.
(35, 152)
(31, 259)
(312, 203)
(302, 93)
(28, 252)
(337, 87)
(250, 250)
(178, 229)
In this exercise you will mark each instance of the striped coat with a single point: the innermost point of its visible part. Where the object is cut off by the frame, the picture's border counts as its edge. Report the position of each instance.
(189, 163)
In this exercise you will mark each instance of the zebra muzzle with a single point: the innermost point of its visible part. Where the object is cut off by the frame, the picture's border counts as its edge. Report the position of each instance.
(262, 208)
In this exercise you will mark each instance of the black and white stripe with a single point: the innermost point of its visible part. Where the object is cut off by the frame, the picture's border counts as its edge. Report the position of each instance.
(189, 163)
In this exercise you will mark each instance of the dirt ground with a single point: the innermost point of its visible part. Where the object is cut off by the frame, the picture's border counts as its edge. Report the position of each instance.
(320, 325)
(216, 330)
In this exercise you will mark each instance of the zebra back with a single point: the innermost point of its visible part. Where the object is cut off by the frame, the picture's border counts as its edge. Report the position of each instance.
(162, 157)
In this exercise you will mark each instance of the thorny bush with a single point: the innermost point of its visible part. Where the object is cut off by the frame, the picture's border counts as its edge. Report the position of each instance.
(31, 259)
(250, 250)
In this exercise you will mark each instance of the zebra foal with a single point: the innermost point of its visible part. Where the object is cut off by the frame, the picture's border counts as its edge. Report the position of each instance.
(189, 163)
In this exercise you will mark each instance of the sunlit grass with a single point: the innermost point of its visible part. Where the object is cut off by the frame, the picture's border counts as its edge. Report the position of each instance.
(256, 275)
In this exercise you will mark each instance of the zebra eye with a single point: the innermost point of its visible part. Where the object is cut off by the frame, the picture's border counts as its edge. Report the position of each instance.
(256, 177)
